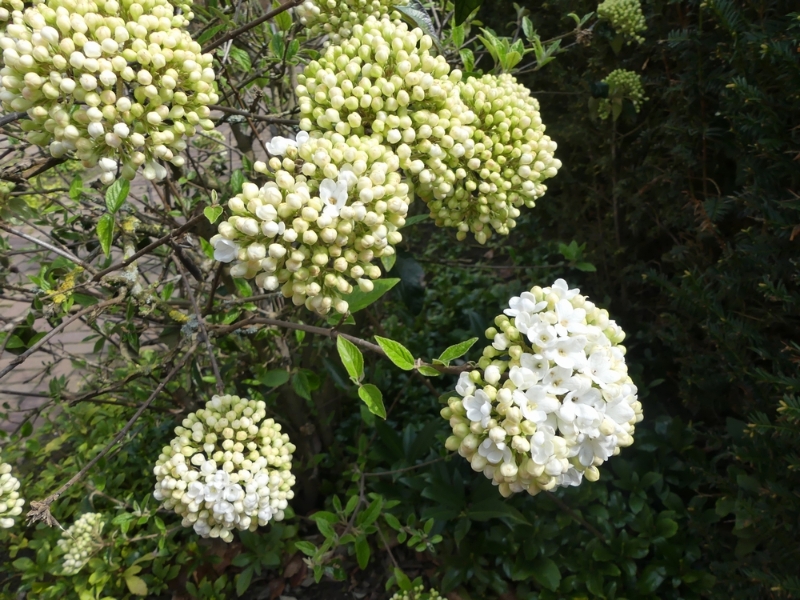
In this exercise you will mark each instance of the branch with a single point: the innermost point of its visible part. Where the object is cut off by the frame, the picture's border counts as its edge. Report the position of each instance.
(263, 18)
(24, 356)
(244, 113)
(411, 468)
(40, 510)
(11, 117)
(159, 242)
(47, 246)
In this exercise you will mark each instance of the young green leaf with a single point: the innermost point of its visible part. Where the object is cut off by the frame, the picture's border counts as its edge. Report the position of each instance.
(373, 398)
(359, 300)
(351, 356)
(116, 194)
(397, 353)
(457, 350)
(212, 213)
(464, 8)
(136, 585)
(76, 187)
(105, 232)
(428, 371)
(283, 20)
(362, 551)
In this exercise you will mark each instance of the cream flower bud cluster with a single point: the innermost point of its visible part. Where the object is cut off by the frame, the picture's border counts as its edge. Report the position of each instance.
(334, 205)
(337, 18)
(115, 83)
(227, 468)
(10, 502)
(552, 400)
(512, 158)
(625, 17)
(80, 541)
(475, 150)
(417, 593)
(622, 84)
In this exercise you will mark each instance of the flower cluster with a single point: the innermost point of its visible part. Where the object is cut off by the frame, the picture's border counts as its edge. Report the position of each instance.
(475, 150)
(227, 468)
(552, 399)
(625, 17)
(417, 593)
(622, 84)
(10, 502)
(80, 541)
(331, 207)
(337, 18)
(119, 84)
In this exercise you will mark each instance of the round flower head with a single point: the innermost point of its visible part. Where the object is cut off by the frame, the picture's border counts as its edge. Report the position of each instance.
(337, 18)
(81, 541)
(417, 593)
(625, 17)
(119, 85)
(10, 502)
(333, 206)
(227, 468)
(552, 400)
(622, 84)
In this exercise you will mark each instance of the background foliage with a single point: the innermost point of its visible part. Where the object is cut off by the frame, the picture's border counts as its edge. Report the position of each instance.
(689, 213)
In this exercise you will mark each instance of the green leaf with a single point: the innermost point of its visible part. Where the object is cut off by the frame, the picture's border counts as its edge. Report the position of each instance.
(283, 20)
(414, 220)
(243, 580)
(464, 8)
(212, 213)
(373, 398)
(76, 187)
(585, 266)
(397, 353)
(105, 232)
(370, 514)
(666, 528)
(650, 579)
(23, 564)
(468, 59)
(116, 194)
(136, 585)
(359, 300)
(274, 378)
(362, 551)
(351, 356)
(237, 180)
(241, 58)
(277, 45)
(388, 261)
(457, 35)
(428, 371)
(301, 385)
(527, 28)
(546, 573)
(493, 508)
(306, 548)
(457, 351)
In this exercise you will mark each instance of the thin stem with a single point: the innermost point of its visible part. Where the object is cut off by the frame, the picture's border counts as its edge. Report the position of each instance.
(244, 113)
(47, 246)
(565, 507)
(11, 117)
(262, 19)
(396, 471)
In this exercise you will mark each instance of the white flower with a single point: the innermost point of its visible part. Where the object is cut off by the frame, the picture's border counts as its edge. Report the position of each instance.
(500, 341)
(225, 250)
(567, 352)
(333, 196)
(465, 386)
(542, 335)
(536, 404)
(523, 377)
(525, 303)
(570, 319)
(598, 367)
(587, 448)
(561, 289)
(478, 407)
(278, 145)
(494, 452)
(536, 363)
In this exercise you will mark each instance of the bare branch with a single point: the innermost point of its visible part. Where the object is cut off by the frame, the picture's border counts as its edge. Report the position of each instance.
(47, 246)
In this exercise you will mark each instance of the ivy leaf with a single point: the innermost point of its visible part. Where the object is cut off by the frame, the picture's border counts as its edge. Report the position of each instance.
(397, 353)
(212, 213)
(116, 194)
(105, 232)
(351, 356)
(457, 351)
(136, 585)
(464, 8)
(373, 398)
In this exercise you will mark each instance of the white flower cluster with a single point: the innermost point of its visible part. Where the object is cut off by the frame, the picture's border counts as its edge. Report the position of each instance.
(10, 502)
(552, 399)
(333, 206)
(337, 18)
(417, 593)
(228, 468)
(625, 17)
(475, 150)
(119, 84)
(80, 541)
(622, 84)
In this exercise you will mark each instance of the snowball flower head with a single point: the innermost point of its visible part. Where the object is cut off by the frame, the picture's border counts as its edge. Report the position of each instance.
(338, 18)
(80, 541)
(227, 468)
(10, 502)
(553, 401)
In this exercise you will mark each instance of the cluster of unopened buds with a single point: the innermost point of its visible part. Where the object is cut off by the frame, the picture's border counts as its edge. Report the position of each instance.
(417, 593)
(625, 17)
(622, 84)
(476, 150)
(227, 468)
(337, 18)
(552, 399)
(10, 502)
(80, 541)
(332, 205)
(119, 84)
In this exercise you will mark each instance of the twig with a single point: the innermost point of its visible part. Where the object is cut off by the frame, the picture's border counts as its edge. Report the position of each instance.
(565, 507)
(263, 18)
(40, 510)
(47, 246)
(244, 113)
(24, 356)
(159, 242)
(203, 331)
(11, 117)
(425, 464)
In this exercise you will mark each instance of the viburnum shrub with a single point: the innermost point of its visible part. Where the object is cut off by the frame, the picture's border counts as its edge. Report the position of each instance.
(336, 124)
